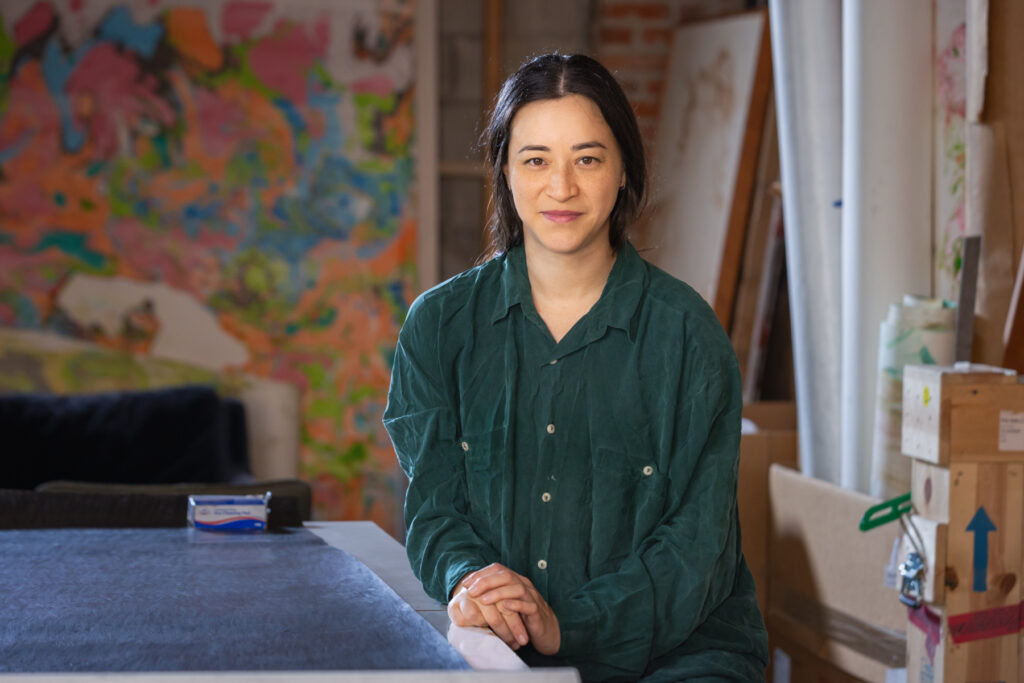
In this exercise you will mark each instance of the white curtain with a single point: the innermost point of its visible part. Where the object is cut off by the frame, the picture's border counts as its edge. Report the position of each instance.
(806, 53)
(887, 198)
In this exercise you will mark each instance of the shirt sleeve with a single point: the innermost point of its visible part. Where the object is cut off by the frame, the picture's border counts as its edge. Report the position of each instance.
(686, 568)
(440, 541)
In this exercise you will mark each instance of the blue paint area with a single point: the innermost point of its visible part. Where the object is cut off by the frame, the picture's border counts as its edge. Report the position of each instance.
(25, 312)
(333, 136)
(56, 71)
(15, 148)
(397, 292)
(120, 28)
(291, 115)
(72, 244)
(196, 217)
(981, 525)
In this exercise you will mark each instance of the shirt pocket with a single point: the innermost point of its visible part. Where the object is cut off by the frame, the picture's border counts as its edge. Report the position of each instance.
(628, 492)
(484, 455)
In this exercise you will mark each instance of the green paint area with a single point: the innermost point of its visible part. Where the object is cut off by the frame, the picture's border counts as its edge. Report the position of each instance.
(342, 465)
(74, 245)
(325, 409)
(7, 49)
(255, 287)
(316, 376)
(370, 109)
(926, 356)
(59, 199)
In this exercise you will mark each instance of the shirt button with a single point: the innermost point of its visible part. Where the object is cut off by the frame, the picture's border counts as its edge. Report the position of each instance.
(648, 471)
(551, 429)
(546, 497)
(542, 564)
(465, 446)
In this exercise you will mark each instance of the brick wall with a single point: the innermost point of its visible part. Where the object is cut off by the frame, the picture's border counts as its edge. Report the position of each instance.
(632, 38)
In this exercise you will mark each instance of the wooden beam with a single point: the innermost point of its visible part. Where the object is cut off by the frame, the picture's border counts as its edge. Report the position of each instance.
(1013, 336)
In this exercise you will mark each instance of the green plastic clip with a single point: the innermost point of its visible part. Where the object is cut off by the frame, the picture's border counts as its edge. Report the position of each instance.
(888, 511)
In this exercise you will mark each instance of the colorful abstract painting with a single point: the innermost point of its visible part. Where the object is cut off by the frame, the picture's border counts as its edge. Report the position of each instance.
(227, 183)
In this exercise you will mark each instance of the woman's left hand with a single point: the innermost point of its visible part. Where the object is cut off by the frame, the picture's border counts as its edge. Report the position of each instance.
(516, 593)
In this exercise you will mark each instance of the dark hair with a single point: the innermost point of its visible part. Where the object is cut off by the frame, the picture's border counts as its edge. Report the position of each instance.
(548, 77)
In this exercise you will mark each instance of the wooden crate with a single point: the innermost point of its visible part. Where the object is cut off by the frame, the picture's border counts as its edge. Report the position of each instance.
(975, 414)
(968, 492)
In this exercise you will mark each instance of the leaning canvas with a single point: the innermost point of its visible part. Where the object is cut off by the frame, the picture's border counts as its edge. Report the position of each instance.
(706, 152)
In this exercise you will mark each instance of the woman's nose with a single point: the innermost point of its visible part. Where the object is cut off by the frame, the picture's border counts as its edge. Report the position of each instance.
(562, 183)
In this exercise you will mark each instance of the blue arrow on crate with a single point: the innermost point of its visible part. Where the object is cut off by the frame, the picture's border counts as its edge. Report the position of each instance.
(981, 525)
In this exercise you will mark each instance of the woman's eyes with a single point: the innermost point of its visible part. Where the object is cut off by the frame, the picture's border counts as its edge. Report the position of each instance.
(582, 161)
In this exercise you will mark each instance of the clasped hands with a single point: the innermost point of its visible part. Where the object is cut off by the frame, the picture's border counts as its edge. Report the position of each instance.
(498, 598)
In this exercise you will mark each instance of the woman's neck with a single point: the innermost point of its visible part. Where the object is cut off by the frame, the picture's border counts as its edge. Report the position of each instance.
(566, 286)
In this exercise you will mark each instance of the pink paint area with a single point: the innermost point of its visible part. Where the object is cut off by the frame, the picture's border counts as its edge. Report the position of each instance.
(379, 84)
(282, 60)
(951, 76)
(171, 257)
(561, 216)
(25, 272)
(30, 123)
(222, 121)
(34, 23)
(240, 18)
(108, 91)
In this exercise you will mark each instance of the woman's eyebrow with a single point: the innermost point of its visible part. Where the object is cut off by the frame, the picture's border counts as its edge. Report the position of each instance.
(577, 147)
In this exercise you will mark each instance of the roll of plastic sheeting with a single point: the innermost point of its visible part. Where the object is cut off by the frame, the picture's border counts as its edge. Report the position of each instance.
(806, 53)
(887, 196)
(917, 331)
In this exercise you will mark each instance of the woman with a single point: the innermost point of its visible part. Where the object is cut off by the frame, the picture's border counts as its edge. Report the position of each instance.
(568, 415)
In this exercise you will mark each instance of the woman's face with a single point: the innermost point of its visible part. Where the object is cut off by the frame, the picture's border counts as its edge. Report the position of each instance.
(565, 170)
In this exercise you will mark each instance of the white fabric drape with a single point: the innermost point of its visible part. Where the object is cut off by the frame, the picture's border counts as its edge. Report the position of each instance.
(887, 198)
(806, 40)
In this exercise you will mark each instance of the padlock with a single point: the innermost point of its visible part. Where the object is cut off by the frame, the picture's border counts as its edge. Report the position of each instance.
(911, 588)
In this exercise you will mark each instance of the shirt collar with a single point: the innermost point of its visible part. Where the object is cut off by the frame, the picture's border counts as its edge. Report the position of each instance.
(616, 307)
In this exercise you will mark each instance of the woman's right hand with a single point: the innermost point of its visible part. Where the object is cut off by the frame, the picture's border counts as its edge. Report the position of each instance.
(465, 610)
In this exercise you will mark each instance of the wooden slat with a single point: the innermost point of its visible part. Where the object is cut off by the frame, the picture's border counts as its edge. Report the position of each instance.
(1013, 336)
(929, 490)
(933, 536)
(758, 233)
(998, 489)
(931, 396)
(732, 251)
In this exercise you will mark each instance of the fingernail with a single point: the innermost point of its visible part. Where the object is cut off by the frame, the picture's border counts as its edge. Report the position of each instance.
(522, 639)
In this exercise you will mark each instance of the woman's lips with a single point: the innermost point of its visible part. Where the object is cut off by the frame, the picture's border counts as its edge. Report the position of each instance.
(561, 216)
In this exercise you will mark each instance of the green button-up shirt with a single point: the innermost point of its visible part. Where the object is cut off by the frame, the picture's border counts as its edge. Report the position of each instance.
(602, 467)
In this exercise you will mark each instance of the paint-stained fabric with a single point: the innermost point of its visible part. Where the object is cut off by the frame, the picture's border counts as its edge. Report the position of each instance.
(602, 467)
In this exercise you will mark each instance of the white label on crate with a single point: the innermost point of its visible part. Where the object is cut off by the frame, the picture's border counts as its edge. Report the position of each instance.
(781, 666)
(1011, 431)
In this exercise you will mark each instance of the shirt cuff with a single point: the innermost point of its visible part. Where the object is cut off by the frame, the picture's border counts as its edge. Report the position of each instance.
(577, 623)
(456, 571)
